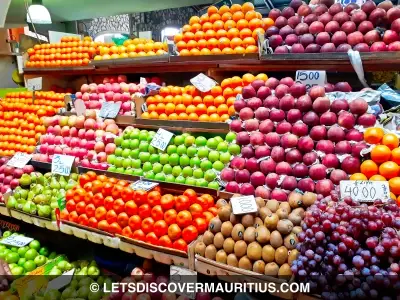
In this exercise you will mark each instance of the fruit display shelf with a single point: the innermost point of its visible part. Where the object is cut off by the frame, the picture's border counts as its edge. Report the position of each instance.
(130, 61)
(35, 220)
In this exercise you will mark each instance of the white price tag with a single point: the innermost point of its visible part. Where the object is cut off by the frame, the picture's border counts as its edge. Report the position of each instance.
(203, 83)
(161, 139)
(80, 107)
(61, 281)
(20, 64)
(109, 110)
(347, 2)
(311, 78)
(182, 276)
(143, 185)
(16, 240)
(19, 160)
(143, 81)
(62, 164)
(244, 205)
(34, 84)
(365, 190)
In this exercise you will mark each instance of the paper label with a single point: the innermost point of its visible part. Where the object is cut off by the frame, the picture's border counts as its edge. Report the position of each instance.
(62, 164)
(143, 185)
(80, 107)
(181, 276)
(34, 84)
(243, 205)
(20, 64)
(161, 139)
(311, 78)
(203, 83)
(61, 281)
(109, 110)
(347, 2)
(19, 160)
(365, 190)
(16, 241)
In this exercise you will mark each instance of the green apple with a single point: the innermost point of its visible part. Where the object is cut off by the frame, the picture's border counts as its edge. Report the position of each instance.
(126, 163)
(134, 144)
(118, 140)
(138, 172)
(201, 182)
(180, 179)
(12, 258)
(136, 163)
(111, 159)
(212, 143)
(52, 255)
(222, 147)
(112, 169)
(129, 171)
(126, 134)
(21, 251)
(173, 159)
(157, 168)
(219, 166)
(190, 140)
(179, 140)
(201, 141)
(164, 158)
(7, 233)
(234, 149)
(171, 149)
(21, 261)
(17, 271)
(184, 160)
(195, 162)
(118, 161)
(230, 137)
(160, 177)
(29, 265)
(190, 181)
(31, 254)
(134, 153)
(149, 175)
(202, 152)
(198, 173)
(213, 185)
(167, 169)
(170, 178)
(210, 175)
(125, 144)
(120, 170)
(181, 149)
(152, 150)
(40, 260)
(125, 153)
(144, 156)
(218, 139)
(191, 151)
(147, 166)
(118, 151)
(206, 165)
(225, 157)
(187, 171)
(176, 171)
(154, 158)
(135, 133)
(213, 155)
(35, 245)
(143, 146)
(143, 135)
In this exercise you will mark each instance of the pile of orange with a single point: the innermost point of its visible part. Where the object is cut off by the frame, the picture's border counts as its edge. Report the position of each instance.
(188, 103)
(227, 30)
(132, 48)
(384, 162)
(46, 100)
(71, 51)
(166, 220)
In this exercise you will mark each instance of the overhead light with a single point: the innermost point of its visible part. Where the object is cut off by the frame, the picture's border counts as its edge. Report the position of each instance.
(38, 13)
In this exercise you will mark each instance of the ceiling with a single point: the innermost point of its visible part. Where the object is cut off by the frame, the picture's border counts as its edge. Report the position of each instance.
(71, 10)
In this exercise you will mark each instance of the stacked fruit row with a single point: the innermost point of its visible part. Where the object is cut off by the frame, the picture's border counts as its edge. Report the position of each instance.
(330, 27)
(187, 159)
(47, 101)
(188, 103)
(160, 219)
(292, 138)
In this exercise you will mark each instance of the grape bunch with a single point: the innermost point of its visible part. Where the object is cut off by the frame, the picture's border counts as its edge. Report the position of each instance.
(350, 250)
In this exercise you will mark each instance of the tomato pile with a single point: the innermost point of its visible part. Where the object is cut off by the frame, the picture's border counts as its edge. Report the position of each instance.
(166, 220)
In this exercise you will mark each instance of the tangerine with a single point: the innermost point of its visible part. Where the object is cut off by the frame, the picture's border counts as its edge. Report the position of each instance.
(389, 169)
(394, 184)
(381, 153)
(391, 140)
(373, 135)
(358, 176)
(369, 168)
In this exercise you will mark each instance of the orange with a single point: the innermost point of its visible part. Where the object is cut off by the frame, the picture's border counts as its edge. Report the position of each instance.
(204, 118)
(194, 51)
(398, 201)
(358, 176)
(236, 42)
(391, 140)
(190, 109)
(211, 110)
(216, 91)
(248, 41)
(160, 228)
(237, 16)
(394, 185)
(201, 109)
(255, 23)
(165, 241)
(381, 153)
(232, 33)
(226, 16)
(160, 108)
(224, 117)
(187, 99)
(183, 116)
(183, 219)
(214, 118)
(250, 15)
(223, 9)
(248, 6)
(219, 100)
(214, 18)
(242, 24)
(169, 108)
(223, 43)
(377, 178)
(202, 44)
(207, 26)
(392, 196)
(181, 45)
(178, 99)
(163, 116)
(226, 83)
(369, 168)
(252, 49)
(229, 24)
(173, 116)
(396, 155)
(256, 32)
(204, 18)
(262, 76)
(191, 44)
(184, 52)
(208, 100)
(222, 109)
(248, 78)
(194, 20)
(187, 36)
(193, 117)
(212, 10)
(180, 108)
(389, 169)
(212, 43)
(221, 33)
(235, 8)
(186, 28)
(373, 135)
(199, 35)
(267, 23)
(210, 34)
(228, 92)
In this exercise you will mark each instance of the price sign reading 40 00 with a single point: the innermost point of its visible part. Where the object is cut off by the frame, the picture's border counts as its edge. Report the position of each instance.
(364, 190)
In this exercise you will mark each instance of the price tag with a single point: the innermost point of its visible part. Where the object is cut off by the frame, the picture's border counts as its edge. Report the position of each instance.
(143, 185)
(311, 78)
(365, 190)
(203, 83)
(182, 276)
(144, 107)
(34, 84)
(143, 81)
(16, 241)
(244, 205)
(62, 164)
(109, 110)
(347, 2)
(80, 107)
(161, 139)
(20, 64)
(61, 281)
(19, 160)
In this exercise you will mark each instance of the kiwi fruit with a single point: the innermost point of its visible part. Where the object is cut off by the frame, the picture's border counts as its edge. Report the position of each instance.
(276, 239)
(250, 234)
(260, 202)
(238, 232)
(221, 257)
(218, 240)
(254, 251)
(229, 243)
(259, 266)
(292, 256)
(284, 226)
(285, 270)
(247, 220)
(211, 252)
(271, 221)
(234, 219)
(224, 213)
(272, 205)
(208, 237)
(281, 255)
(285, 205)
(220, 203)
(308, 199)
(290, 241)
(294, 199)
(245, 263)
(215, 225)
(271, 269)
(232, 260)
(262, 234)
(300, 211)
(200, 248)
(268, 253)
(226, 228)
(282, 213)
(296, 230)
(294, 218)
(240, 248)
(258, 222)
(264, 212)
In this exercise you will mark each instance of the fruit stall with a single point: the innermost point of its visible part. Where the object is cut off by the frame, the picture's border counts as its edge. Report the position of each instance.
(250, 148)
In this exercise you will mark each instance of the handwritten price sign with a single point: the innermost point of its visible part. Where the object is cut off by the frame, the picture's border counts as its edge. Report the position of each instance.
(203, 83)
(16, 241)
(161, 139)
(243, 205)
(34, 84)
(143, 185)
(19, 160)
(62, 164)
(109, 110)
(311, 78)
(365, 190)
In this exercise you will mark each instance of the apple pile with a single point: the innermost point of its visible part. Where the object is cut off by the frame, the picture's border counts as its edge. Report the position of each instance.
(292, 139)
(330, 27)
(88, 139)
(9, 176)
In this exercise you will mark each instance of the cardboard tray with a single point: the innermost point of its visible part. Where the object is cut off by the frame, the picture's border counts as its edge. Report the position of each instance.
(35, 220)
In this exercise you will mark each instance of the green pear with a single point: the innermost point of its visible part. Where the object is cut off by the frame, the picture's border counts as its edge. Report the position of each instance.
(84, 263)
(74, 176)
(48, 175)
(31, 195)
(93, 271)
(39, 199)
(12, 202)
(44, 211)
(83, 271)
(24, 194)
(27, 207)
(62, 182)
(25, 180)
